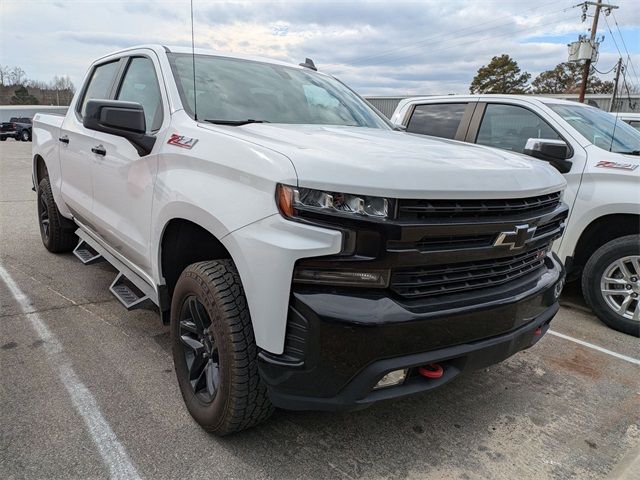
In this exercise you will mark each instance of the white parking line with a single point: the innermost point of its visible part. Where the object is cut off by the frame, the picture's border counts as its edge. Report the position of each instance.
(112, 452)
(595, 347)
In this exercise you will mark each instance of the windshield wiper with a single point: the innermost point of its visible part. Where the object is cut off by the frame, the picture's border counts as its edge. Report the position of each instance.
(235, 123)
(633, 152)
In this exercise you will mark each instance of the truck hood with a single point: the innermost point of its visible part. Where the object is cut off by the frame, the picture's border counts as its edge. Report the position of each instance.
(402, 165)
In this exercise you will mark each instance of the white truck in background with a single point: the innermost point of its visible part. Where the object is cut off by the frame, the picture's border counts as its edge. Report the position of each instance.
(306, 254)
(599, 156)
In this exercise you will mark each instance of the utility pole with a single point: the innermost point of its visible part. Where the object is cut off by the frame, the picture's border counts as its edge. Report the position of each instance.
(615, 85)
(594, 29)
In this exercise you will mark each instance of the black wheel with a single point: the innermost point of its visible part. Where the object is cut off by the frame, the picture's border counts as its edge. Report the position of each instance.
(25, 135)
(611, 284)
(3, 139)
(57, 232)
(214, 350)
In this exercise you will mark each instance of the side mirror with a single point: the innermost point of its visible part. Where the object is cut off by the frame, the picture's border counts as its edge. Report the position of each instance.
(124, 119)
(550, 150)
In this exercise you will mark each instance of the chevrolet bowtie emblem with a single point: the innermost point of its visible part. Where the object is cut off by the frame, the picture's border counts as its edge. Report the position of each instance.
(517, 239)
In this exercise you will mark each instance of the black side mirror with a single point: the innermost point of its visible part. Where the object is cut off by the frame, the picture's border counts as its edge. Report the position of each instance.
(550, 150)
(124, 119)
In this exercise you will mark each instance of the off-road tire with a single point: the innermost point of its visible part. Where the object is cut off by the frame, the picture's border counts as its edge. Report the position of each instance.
(61, 237)
(241, 399)
(25, 136)
(592, 274)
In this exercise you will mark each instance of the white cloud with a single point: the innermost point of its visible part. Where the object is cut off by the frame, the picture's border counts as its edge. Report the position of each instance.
(392, 47)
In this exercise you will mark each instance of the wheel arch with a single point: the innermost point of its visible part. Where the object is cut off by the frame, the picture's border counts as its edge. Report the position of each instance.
(182, 243)
(600, 231)
(40, 170)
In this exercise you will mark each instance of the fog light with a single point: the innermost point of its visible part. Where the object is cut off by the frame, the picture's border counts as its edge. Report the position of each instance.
(392, 378)
(558, 288)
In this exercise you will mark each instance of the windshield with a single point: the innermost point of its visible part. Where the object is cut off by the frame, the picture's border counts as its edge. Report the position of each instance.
(600, 128)
(231, 89)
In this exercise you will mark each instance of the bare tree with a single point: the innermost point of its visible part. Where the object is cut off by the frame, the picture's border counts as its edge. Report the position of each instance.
(4, 74)
(17, 76)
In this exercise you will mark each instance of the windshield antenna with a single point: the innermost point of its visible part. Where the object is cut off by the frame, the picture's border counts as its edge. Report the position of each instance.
(193, 62)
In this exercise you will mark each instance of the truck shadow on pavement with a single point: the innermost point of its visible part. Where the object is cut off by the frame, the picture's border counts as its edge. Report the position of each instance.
(513, 420)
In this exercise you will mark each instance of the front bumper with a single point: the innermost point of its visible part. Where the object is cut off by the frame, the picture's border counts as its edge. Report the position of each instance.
(343, 344)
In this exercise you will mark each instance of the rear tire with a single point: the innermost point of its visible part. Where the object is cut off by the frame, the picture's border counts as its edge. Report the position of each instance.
(214, 349)
(25, 136)
(613, 268)
(56, 231)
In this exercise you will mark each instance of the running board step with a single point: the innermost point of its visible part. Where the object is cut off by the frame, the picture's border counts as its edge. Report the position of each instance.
(130, 288)
(86, 253)
(127, 292)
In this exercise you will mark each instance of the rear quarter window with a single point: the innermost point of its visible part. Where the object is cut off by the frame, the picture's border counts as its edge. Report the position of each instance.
(438, 120)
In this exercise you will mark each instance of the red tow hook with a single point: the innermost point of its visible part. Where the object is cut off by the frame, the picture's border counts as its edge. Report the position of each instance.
(538, 332)
(433, 370)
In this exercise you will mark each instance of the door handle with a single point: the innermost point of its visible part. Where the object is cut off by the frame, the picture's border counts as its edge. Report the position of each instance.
(99, 150)
(64, 139)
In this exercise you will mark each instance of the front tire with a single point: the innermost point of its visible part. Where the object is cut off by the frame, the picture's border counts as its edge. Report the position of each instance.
(214, 349)
(611, 284)
(56, 231)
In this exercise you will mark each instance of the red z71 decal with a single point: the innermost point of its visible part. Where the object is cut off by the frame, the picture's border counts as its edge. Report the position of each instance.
(182, 141)
(616, 165)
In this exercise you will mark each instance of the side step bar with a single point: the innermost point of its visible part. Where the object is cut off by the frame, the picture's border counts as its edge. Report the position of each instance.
(128, 287)
(127, 292)
(86, 253)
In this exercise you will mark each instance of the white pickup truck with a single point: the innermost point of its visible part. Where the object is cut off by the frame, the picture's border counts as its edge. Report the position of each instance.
(305, 253)
(599, 156)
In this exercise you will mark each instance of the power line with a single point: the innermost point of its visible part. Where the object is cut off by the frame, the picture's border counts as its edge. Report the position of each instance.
(604, 73)
(633, 68)
(474, 30)
(612, 36)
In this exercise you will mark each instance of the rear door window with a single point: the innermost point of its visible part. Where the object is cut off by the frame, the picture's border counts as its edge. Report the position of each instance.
(99, 86)
(438, 120)
(509, 127)
(634, 123)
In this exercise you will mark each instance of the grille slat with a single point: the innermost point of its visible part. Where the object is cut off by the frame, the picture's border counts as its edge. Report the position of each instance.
(441, 280)
(429, 209)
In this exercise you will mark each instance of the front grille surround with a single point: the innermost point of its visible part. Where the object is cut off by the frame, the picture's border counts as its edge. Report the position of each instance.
(431, 209)
(443, 256)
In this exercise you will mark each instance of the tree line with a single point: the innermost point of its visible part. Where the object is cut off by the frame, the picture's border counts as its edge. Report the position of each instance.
(17, 89)
(503, 75)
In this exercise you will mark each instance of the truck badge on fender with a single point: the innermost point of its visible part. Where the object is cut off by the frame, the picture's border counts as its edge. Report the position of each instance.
(182, 141)
(619, 166)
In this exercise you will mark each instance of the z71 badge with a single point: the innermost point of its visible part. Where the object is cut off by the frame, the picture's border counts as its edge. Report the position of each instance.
(182, 141)
(616, 165)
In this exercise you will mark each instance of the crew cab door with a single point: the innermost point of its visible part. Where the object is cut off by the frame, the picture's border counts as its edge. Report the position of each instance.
(509, 125)
(76, 158)
(123, 181)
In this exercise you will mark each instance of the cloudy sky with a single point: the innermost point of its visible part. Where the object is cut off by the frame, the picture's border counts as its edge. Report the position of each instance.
(379, 47)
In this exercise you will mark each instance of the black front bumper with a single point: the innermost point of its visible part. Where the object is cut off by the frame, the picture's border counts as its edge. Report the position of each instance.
(343, 344)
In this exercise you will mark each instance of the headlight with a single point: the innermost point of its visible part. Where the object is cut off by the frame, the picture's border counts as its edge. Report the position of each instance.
(292, 199)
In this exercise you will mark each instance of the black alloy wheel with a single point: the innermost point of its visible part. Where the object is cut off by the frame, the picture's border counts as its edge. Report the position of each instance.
(43, 218)
(200, 349)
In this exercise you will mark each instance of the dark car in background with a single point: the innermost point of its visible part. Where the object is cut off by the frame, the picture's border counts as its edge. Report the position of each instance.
(18, 128)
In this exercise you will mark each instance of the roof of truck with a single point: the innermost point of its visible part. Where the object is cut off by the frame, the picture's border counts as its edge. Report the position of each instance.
(540, 98)
(202, 51)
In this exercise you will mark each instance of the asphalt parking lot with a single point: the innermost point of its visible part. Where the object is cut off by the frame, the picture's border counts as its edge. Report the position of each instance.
(88, 391)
